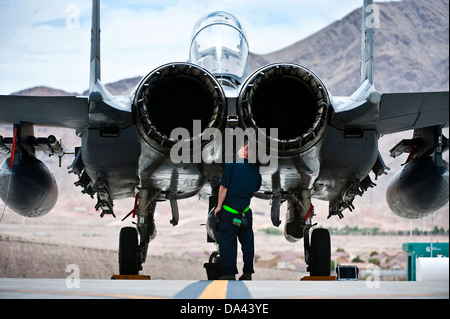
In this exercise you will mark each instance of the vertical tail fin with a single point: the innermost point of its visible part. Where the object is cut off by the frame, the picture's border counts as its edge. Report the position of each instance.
(370, 21)
(95, 45)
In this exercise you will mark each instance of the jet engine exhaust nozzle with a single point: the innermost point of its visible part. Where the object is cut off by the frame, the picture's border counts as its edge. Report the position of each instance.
(288, 97)
(173, 96)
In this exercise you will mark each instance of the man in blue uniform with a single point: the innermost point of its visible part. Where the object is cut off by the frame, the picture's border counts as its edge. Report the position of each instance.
(240, 180)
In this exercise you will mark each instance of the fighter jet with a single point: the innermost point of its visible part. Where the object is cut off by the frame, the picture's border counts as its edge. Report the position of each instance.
(326, 147)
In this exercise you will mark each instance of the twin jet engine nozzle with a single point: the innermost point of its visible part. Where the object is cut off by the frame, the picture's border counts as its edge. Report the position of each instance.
(288, 97)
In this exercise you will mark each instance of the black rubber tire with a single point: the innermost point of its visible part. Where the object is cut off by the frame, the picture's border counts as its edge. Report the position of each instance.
(320, 252)
(128, 251)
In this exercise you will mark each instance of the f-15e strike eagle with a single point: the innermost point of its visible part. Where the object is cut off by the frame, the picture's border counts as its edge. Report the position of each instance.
(325, 146)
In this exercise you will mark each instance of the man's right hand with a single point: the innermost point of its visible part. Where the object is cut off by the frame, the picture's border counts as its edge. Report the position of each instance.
(222, 194)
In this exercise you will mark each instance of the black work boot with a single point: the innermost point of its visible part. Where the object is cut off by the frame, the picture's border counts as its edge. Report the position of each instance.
(246, 277)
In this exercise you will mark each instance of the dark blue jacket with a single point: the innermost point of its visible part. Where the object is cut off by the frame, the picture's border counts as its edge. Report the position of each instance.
(242, 180)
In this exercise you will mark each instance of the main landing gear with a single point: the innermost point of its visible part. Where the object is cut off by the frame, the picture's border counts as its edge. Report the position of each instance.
(318, 253)
(317, 246)
(298, 225)
(133, 241)
(129, 261)
(213, 268)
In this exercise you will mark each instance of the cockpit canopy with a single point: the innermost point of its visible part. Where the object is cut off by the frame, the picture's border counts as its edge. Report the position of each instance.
(219, 44)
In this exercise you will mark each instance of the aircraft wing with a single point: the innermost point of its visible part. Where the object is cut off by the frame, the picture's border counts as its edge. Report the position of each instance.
(60, 111)
(406, 111)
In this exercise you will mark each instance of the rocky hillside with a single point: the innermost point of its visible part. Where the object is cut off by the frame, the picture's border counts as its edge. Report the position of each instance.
(411, 50)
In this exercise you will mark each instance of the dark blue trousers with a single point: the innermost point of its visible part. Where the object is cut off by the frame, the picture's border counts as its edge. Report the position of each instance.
(228, 236)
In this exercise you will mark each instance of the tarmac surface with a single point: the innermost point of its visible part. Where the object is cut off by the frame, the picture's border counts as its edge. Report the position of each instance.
(219, 289)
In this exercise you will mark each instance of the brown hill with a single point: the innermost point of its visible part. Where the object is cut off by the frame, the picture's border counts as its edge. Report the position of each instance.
(43, 91)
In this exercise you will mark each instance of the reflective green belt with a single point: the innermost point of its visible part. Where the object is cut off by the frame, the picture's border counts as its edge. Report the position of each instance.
(233, 211)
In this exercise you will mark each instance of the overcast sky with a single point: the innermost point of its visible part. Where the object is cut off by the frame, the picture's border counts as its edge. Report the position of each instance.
(47, 42)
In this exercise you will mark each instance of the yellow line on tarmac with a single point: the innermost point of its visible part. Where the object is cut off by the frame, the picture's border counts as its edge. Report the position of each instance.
(215, 290)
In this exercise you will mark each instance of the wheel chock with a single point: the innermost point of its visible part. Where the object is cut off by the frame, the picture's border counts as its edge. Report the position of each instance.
(318, 278)
(130, 277)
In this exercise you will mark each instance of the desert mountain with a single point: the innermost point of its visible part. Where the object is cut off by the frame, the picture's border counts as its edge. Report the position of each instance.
(411, 49)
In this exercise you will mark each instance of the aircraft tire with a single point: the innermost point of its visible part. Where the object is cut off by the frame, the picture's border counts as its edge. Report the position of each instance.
(320, 252)
(128, 251)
